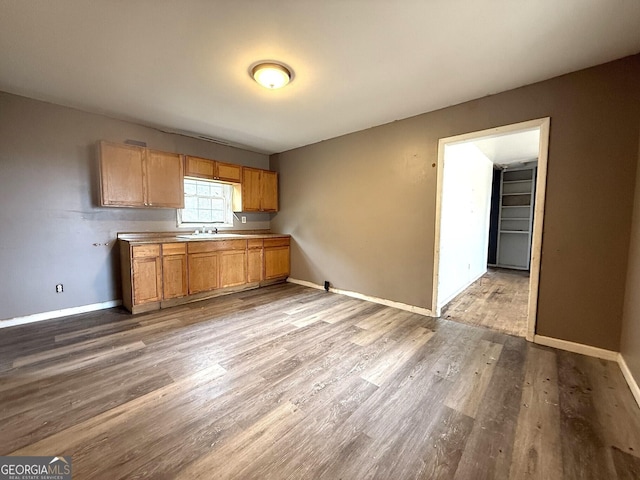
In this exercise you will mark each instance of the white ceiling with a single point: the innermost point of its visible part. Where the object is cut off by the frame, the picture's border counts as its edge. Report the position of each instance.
(511, 148)
(183, 64)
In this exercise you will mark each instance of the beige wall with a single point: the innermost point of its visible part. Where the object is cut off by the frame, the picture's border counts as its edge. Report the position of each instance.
(49, 215)
(361, 208)
(630, 339)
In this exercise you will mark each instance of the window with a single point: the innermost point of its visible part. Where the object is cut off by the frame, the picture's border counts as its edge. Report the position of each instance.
(206, 203)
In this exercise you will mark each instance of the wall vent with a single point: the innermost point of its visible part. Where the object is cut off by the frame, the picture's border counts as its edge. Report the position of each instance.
(211, 139)
(137, 143)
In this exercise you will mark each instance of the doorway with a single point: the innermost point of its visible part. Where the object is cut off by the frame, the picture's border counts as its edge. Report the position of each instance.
(466, 166)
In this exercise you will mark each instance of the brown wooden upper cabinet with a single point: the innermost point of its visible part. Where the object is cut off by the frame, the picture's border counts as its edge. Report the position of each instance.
(132, 176)
(259, 190)
(212, 170)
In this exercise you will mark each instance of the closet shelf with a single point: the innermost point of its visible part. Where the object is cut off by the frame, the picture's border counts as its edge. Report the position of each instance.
(513, 246)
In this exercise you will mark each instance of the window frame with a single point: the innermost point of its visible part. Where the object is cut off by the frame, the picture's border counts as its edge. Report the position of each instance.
(227, 198)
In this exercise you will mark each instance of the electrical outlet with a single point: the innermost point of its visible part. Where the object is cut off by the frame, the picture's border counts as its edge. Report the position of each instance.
(243, 219)
(59, 288)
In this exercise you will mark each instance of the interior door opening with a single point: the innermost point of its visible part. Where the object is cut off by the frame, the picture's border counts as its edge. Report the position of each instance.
(490, 205)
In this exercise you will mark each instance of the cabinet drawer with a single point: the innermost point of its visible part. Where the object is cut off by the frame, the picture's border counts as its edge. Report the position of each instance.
(277, 242)
(201, 247)
(254, 243)
(216, 246)
(233, 245)
(140, 251)
(174, 248)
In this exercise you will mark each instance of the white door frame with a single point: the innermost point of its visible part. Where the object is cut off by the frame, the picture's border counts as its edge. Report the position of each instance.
(541, 188)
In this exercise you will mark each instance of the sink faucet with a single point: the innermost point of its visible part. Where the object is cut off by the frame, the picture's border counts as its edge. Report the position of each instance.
(203, 231)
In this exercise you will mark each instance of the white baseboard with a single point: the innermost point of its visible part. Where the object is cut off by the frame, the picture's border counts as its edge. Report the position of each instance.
(594, 352)
(38, 317)
(576, 347)
(628, 376)
(389, 303)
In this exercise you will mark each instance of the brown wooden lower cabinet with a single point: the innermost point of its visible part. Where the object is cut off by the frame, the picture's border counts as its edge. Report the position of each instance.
(276, 258)
(203, 272)
(233, 268)
(147, 282)
(276, 262)
(255, 265)
(146, 274)
(157, 275)
(174, 270)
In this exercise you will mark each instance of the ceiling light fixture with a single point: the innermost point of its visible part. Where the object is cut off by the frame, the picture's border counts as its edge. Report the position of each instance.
(271, 75)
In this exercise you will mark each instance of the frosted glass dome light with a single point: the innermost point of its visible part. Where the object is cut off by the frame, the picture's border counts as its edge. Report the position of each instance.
(271, 75)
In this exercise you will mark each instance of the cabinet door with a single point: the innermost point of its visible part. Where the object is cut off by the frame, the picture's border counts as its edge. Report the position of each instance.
(250, 189)
(254, 265)
(228, 172)
(121, 175)
(269, 191)
(276, 262)
(199, 167)
(165, 179)
(233, 268)
(203, 272)
(174, 276)
(147, 280)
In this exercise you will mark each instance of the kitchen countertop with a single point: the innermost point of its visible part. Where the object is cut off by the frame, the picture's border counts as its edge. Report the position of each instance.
(175, 237)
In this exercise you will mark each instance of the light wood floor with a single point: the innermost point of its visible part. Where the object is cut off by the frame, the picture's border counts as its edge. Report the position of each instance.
(497, 300)
(289, 382)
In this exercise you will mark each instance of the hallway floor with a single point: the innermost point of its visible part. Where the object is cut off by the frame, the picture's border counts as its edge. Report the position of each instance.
(497, 300)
